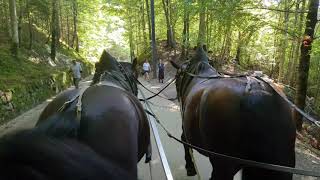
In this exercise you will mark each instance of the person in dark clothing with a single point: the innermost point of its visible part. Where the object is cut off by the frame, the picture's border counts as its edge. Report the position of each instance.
(161, 71)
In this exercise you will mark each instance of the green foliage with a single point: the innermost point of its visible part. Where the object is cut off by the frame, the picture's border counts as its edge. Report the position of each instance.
(31, 78)
(256, 30)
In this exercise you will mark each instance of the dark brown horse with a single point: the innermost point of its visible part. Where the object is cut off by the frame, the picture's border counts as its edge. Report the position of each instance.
(31, 154)
(241, 117)
(112, 120)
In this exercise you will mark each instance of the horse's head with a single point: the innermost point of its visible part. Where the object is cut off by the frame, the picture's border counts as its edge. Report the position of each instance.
(186, 72)
(121, 71)
(131, 67)
(106, 63)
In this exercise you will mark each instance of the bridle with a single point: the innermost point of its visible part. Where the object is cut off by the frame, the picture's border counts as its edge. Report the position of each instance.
(128, 78)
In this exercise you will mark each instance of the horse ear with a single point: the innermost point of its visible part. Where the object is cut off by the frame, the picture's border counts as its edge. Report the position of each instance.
(175, 65)
(134, 63)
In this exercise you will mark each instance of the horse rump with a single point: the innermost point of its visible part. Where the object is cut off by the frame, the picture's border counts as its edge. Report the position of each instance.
(33, 155)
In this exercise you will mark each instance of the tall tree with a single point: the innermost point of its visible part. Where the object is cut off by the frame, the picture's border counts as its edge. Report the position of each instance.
(28, 12)
(293, 68)
(14, 27)
(167, 11)
(149, 20)
(202, 23)
(294, 45)
(143, 23)
(20, 21)
(75, 38)
(54, 29)
(131, 45)
(283, 41)
(153, 37)
(304, 61)
(7, 18)
(68, 28)
(185, 33)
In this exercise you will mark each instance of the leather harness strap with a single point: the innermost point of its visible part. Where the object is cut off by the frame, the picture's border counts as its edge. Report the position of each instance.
(78, 98)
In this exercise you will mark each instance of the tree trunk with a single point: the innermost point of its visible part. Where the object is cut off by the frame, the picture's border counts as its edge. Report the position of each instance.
(130, 29)
(14, 27)
(284, 41)
(294, 67)
(239, 48)
(293, 47)
(7, 18)
(49, 30)
(138, 33)
(185, 33)
(173, 24)
(278, 51)
(225, 51)
(153, 37)
(75, 38)
(54, 29)
(68, 29)
(61, 35)
(202, 24)
(149, 20)
(304, 61)
(170, 40)
(29, 25)
(132, 56)
(20, 22)
(2, 14)
(209, 28)
(145, 44)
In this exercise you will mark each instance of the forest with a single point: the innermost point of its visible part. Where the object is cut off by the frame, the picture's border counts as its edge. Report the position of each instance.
(278, 37)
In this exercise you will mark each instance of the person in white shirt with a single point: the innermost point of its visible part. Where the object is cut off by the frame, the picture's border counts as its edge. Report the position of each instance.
(146, 70)
(76, 71)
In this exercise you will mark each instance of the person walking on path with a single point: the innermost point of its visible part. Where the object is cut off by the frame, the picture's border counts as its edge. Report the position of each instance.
(76, 71)
(146, 69)
(161, 71)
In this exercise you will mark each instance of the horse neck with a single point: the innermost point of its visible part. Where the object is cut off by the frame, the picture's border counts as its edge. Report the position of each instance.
(120, 80)
(188, 82)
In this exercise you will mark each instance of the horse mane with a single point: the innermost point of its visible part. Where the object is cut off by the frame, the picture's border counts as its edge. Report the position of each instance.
(198, 64)
(109, 62)
(200, 55)
(106, 63)
(108, 69)
(31, 154)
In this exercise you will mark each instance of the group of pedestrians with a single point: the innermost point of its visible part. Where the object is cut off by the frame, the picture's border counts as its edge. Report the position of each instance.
(76, 71)
(147, 69)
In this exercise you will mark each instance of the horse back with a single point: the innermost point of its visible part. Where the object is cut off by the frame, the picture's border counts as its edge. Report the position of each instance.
(110, 115)
(253, 124)
(53, 107)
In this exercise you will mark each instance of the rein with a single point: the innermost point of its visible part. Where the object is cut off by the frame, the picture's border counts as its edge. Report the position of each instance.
(134, 89)
(246, 162)
(214, 77)
(158, 93)
(292, 105)
(305, 115)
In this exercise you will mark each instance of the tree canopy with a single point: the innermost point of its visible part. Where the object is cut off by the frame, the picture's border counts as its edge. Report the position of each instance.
(262, 35)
